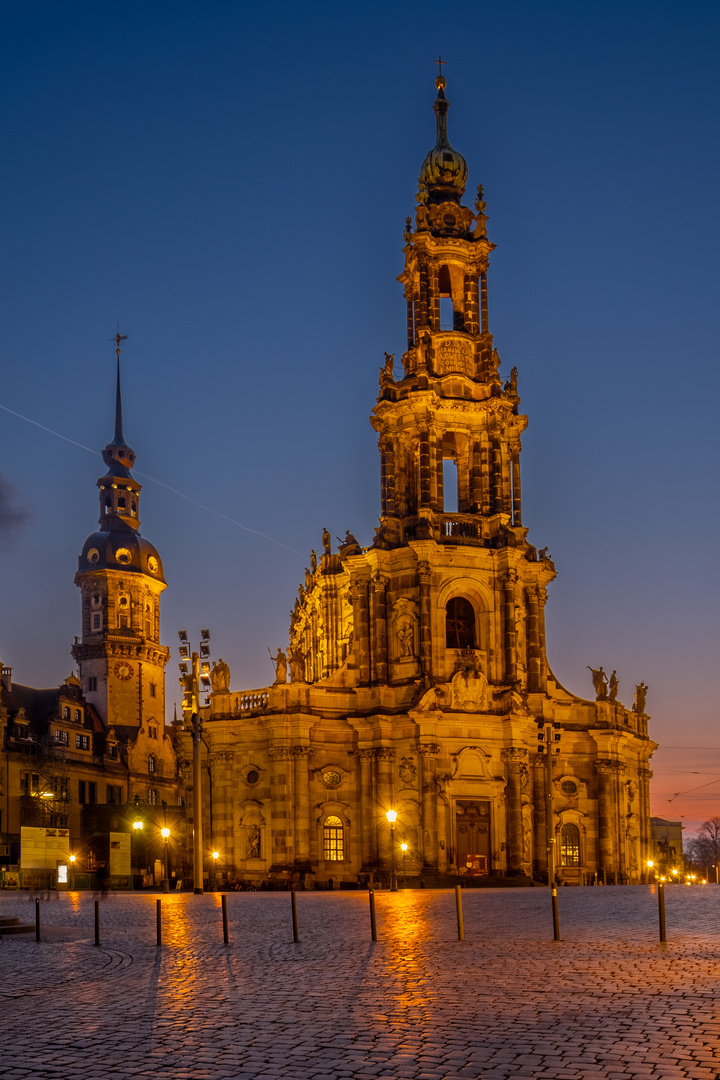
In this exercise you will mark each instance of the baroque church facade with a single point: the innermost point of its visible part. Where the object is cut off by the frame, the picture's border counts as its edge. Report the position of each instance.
(416, 678)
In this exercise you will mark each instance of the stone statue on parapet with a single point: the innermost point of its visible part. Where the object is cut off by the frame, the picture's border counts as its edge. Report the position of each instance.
(510, 386)
(613, 687)
(220, 677)
(326, 541)
(297, 665)
(349, 546)
(279, 662)
(640, 695)
(313, 560)
(600, 682)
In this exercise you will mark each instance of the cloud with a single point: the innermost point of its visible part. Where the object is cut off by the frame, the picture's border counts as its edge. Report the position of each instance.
(14, 515)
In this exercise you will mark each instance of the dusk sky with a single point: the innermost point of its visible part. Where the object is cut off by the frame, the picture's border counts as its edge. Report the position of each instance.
(229, 182)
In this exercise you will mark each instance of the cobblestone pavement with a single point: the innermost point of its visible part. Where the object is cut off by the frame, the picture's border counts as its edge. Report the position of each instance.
(608, 1001)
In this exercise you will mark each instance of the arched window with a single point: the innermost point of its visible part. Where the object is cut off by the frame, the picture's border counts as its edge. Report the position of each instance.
(333, 839)
(152, 796)
(460, 624)
(569, 845)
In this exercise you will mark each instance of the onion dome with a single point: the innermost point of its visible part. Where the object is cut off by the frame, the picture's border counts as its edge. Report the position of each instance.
(444, 170)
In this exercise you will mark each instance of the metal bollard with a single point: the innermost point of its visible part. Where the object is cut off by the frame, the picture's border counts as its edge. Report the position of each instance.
(556, 917)
(458, 908)
(158, 916)
(37, 920)
(373, 923)
(97, 922)
(226, 939)
(293, 904)
(661, 910)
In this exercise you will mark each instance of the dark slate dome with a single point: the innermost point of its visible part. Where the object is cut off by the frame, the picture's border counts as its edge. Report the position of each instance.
(121, 548)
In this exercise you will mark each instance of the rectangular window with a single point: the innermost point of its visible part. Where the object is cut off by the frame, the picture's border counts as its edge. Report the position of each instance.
(24, 783)
(152, 686)
(334, 845)
(152, 796)
(21, 731)
(450, 486)
(82, 742)
(62, 737)
(111, 751)
(97, 622)
(114, 794)
(81, 792)
(92, 792)
(92, 683)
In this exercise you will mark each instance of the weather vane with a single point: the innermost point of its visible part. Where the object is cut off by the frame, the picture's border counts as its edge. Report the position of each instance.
(118, 338)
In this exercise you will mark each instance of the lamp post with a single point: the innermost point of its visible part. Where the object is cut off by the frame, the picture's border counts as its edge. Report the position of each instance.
(403, 848)
(215, 857)
(547, 748)
(165, 833)
(392, 818)
(194, 678)
(72, 872)
(650, 865)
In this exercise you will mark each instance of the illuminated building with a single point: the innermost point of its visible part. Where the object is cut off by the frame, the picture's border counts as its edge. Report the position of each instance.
(95, 752)
(418, 668)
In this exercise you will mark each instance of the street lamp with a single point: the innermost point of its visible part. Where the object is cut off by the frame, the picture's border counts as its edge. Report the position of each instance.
(392, 818)
(403, 848)
(194, 679)
(165, 833)
(215, 857)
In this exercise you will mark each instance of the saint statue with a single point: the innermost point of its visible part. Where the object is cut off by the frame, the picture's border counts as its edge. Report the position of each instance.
(326, 541)
(613, 687)
(640, 694)
(600, 683)
(220, 677)
(280, 665)
(313, 560)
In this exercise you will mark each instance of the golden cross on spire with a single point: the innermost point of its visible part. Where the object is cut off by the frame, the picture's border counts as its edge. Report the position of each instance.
(118, 338)
(440, 63)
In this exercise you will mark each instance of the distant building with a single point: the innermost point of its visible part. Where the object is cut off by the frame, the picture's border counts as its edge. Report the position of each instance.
(94, 754)
(667, 846)
(419, 680)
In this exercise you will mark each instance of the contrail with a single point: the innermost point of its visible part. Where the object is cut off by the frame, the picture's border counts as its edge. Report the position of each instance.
(154, 480)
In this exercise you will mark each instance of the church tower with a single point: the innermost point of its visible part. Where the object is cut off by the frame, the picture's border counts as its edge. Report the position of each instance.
(419, 680)
(121, 661)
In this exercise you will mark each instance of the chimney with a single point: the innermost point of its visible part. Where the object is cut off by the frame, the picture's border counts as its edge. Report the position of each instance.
(7, 678)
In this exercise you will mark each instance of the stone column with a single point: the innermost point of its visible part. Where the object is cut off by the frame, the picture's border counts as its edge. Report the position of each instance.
(428, 756)
(390, 499)
(605, 770)
(361, 626)
(424, 469)
(496, 484)
(422, 320)
(485, 493)
(433, 449)
(483, 302)
(301, 754)
(510, 629)
(533, 639)
(281, 851)
(367, 810)
(515, 757)
(471, 304)
(433, 299)
(410, 325)
(542, 654)
(646, 844)
(517, 495)
(425, 619)
(379, 615)
(385, 758)
(539, 815)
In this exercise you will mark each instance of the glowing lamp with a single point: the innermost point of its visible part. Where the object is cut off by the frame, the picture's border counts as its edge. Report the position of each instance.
(391, 816)
(165, 833)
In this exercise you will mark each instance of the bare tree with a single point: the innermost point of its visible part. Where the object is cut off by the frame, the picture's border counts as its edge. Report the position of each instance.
(704, 849)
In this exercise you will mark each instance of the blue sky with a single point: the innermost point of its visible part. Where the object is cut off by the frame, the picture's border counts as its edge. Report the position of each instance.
(230, 181)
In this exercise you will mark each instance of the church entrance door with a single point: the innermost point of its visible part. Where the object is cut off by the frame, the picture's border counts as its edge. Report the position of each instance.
(472, 820)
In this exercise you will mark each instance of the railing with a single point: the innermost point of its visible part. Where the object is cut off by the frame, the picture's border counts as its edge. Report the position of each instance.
(252, 701)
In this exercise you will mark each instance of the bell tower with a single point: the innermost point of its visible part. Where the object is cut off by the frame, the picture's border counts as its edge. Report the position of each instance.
(449, 432)
(121, 661)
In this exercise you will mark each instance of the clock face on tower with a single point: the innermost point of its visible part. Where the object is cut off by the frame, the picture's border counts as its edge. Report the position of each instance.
(123, 670)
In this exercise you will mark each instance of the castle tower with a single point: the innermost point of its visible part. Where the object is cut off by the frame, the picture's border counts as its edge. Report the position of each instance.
(121, 661)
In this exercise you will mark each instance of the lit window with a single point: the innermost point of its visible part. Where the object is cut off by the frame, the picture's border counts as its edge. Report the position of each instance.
(460, 624)
(152, 796)
(570, 845)
(333, 839)
(82, 742)
(151, 763)
(66, 712)
(78, 716)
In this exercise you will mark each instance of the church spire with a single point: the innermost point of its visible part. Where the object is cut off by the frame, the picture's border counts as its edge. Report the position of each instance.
(119, 491)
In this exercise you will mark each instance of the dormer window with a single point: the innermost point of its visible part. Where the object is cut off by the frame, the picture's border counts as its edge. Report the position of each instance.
(78, 716)
(66, 712)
